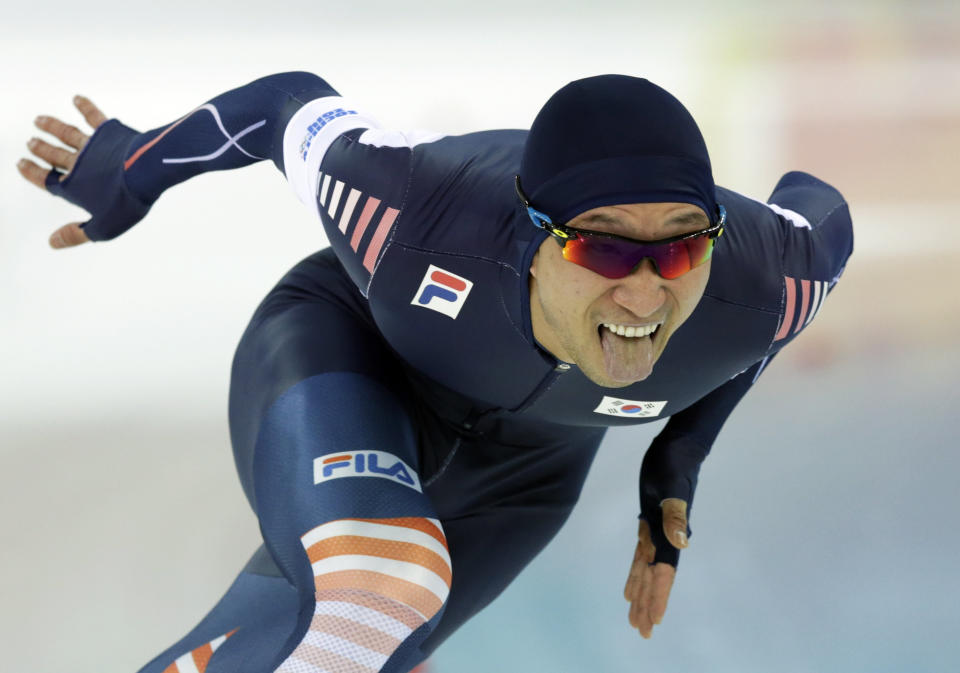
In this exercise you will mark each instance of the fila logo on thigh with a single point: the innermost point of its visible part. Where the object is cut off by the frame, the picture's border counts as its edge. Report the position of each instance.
(442, 291)
(364, 464)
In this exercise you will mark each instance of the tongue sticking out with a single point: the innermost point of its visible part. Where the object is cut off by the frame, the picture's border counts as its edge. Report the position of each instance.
(627, 359)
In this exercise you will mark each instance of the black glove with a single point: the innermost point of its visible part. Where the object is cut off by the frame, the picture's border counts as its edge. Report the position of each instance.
(669, 470)
(97, 183)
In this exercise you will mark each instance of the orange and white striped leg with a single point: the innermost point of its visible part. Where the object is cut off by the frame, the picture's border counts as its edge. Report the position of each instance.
(377, 581)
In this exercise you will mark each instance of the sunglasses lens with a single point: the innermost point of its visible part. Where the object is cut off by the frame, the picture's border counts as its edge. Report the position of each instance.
(616, 258)
(699, 250)
(607, 256)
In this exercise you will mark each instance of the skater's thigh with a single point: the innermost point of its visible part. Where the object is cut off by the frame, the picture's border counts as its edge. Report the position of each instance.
(314, 323)
(501, 499)
(355, 569)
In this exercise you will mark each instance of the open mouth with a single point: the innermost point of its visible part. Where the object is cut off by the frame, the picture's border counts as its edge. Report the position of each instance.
(629, 331)
(629, 351)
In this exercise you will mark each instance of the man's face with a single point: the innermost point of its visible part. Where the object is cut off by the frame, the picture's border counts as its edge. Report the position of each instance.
(571, 306)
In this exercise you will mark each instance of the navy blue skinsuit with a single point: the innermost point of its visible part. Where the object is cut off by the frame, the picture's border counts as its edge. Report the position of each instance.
(394, 376)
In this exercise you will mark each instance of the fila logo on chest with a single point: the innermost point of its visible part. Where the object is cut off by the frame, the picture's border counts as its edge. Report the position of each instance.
(442, 291)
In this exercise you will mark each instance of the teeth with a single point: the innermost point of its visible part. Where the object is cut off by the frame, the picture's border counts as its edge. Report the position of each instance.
(631, 331)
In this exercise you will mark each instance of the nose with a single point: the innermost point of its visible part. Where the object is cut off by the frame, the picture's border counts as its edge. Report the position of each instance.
(642, 292)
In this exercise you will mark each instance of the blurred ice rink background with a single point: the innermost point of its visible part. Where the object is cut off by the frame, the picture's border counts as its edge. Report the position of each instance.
(824, 525)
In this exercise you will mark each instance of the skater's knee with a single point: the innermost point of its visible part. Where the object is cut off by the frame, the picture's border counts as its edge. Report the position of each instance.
(380, 584)
(404, 560)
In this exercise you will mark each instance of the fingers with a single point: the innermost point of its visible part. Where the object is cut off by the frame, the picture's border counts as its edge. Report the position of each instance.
(645, 542)
(90, 112)
(641, 582)
(648, 585)
(61, 158)
(649, 607)
(662, 581)
(640, 617)
(68, 236)
(645, 617)
(633, 577)
(67, 134)
(674, 511)
(642, 557)
(33, 173)
(55, 156)
(70, 136)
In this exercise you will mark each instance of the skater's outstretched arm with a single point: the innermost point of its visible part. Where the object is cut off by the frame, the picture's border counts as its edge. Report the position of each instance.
(816, 240)
(117, 173)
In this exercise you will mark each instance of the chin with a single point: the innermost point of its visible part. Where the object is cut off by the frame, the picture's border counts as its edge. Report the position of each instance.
(624, 384)
(604, 381)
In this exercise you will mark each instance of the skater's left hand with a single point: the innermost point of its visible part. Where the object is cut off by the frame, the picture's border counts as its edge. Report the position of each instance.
(648, 585)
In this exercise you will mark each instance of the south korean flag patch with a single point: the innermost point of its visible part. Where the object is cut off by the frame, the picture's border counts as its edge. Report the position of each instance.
(615, 406)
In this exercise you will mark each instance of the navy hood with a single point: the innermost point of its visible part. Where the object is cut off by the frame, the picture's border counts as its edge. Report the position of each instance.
(615, 139)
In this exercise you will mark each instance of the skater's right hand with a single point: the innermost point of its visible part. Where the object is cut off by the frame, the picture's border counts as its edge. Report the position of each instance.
(61, 158)
(92, 175)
